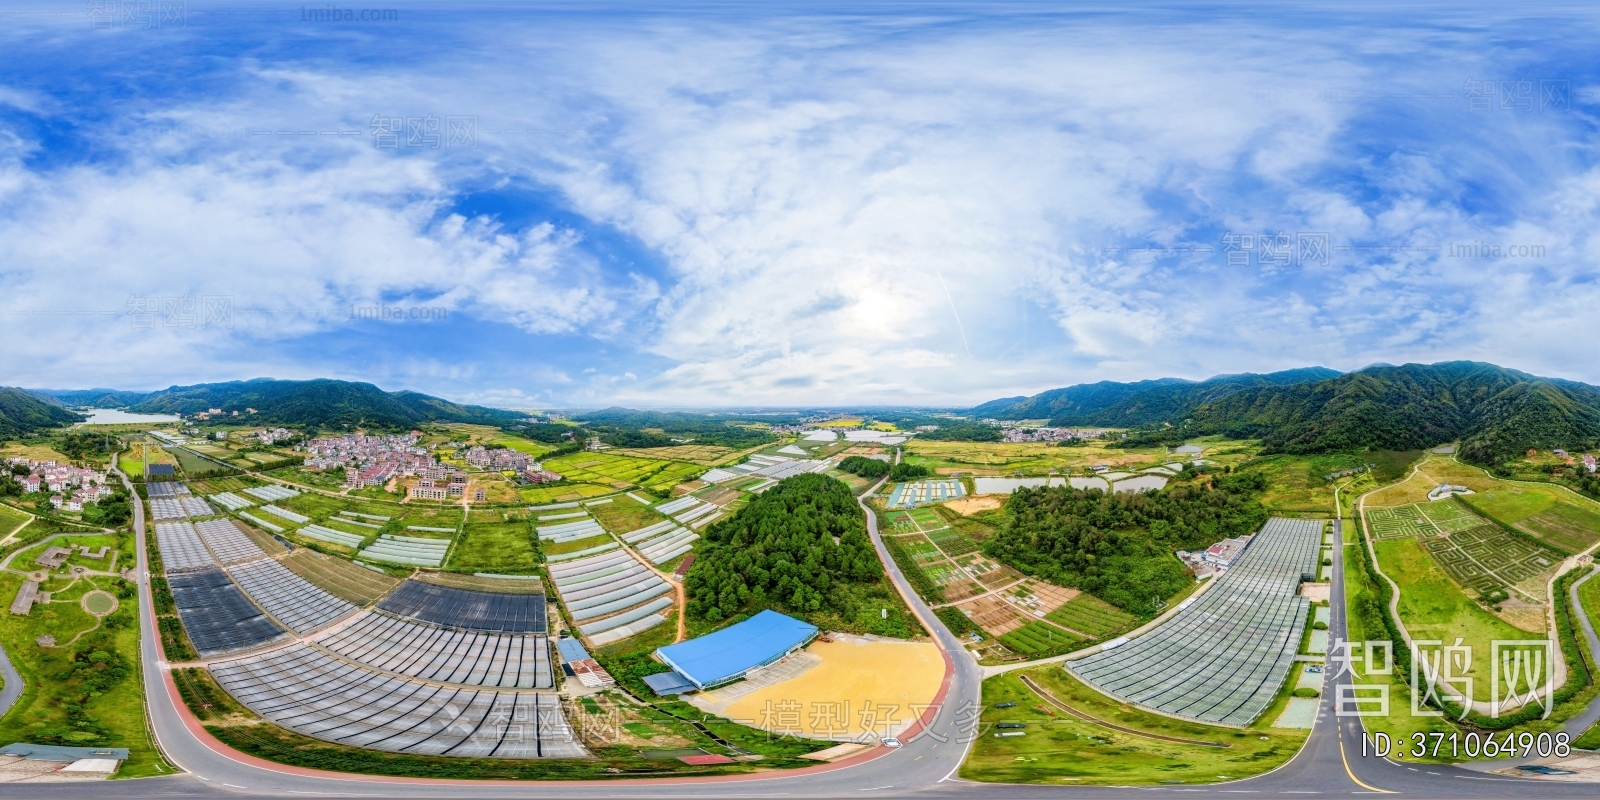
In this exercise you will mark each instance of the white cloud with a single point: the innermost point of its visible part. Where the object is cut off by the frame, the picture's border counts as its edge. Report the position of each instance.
(842, 212)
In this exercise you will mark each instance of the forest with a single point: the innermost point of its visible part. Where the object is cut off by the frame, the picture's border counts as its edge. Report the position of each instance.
(1120, 546)
(801, 547)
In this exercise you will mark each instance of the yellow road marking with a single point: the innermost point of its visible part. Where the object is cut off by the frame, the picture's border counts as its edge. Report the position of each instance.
(1352, 774)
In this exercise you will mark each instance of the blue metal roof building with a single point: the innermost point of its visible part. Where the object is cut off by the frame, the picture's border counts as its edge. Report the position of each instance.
(726, 655)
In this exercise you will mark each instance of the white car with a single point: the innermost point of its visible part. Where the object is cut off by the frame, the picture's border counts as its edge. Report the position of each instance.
(890, 741)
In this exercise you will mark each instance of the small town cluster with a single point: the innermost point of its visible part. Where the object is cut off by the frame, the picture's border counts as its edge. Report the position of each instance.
(375, 460)
(73, 486)
(368, 460)
(1022, 434)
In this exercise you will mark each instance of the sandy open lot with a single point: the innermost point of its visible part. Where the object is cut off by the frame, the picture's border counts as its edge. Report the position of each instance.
(845, 690)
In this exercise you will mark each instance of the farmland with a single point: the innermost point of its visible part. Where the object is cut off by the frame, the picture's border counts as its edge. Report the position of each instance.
(622, 472)
(505, 548)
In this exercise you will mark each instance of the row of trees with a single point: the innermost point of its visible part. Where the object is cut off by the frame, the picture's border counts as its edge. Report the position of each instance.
(1120, 546)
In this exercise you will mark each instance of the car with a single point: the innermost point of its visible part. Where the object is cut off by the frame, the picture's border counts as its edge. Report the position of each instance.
(890, 741)
(1005, 705)
(1314, 670)
(1010, 725)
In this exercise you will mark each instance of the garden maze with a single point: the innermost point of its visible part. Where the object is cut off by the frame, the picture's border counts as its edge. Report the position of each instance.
(1472, 551)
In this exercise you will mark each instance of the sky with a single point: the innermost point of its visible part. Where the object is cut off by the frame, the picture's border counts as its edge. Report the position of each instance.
(934, 204)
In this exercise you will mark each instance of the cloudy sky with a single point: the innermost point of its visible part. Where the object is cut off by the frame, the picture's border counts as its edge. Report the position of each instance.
(911, 204)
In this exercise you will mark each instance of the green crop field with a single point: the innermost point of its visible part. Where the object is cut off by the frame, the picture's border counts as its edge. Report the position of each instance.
(194, 466)
(576, 545)
(1566, 525)
(953, 542)
(1059, 749)
(1512, 503)
(622, 515)
(1038, 637)
(613, 470)
(1089, 614)
(561, 493)
(498, 547)
(321, 507)
(1432, 607)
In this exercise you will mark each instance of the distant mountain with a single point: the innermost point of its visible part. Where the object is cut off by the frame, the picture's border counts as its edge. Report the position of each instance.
(21, 414)
(1497, 413)
(1137, 403)
(321, 402)
(89, 398)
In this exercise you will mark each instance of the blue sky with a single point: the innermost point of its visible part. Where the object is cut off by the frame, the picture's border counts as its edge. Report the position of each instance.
(757, 204)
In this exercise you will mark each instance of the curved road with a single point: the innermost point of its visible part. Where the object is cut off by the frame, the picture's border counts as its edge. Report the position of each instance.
(1329, 764)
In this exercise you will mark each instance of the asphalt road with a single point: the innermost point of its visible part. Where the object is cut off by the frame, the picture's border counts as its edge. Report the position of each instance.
(1330, 763)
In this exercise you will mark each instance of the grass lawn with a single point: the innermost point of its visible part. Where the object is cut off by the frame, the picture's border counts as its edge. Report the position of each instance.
(620, 516)
(11, 519)
(577, 545)
(100, 704)
(1433, 607)
(1566, 525)
(1590, 594)
(1060, 749)
(1296, 483)
(1363, 609)
(499, 547)
(130, 463)
(1511, 503)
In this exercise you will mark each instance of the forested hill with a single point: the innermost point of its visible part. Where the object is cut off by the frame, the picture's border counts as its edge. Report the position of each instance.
(800, 547)
(21, 414)
(1119, 546)
(626, 427)
(322, 403)
(1138, 403)
(92, 398)
(1497, 413)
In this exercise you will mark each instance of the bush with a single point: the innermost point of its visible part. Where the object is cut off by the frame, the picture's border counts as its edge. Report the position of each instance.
(1307, 692)
(1319, 626)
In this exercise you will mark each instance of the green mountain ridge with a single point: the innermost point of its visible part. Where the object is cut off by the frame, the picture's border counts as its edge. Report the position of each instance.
(1138, 402)
(320, 402)
(23, 414)
(1495, 412)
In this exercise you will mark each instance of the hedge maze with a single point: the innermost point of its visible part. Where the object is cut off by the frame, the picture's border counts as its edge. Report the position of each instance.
(1398, 523)
(1473, 552)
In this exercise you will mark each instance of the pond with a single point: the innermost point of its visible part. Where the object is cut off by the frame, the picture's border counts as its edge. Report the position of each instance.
(113, 416)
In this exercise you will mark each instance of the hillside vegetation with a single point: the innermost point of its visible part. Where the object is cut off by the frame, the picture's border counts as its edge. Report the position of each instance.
(320, 403)
(802, 548)
(23, 414)
(1496, 413)
(1120, 546)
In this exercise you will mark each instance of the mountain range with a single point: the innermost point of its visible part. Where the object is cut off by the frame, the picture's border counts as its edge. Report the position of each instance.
(1496, 413)
(321, 402)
